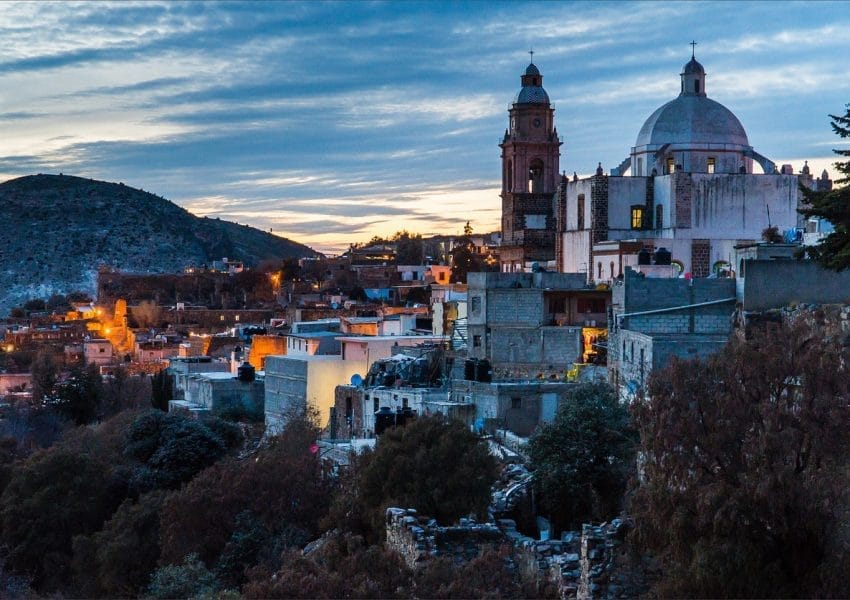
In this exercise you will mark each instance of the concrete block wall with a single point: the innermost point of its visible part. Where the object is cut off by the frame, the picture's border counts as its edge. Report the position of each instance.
(776, 283)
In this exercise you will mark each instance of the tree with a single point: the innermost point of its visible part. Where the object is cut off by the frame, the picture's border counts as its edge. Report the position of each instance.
(78, 396)
(433, 464)
(583, 460)
(192, 579)
(161, 390)
(171, 448)
(55, 495)
(833, 251)
(341, 567)
(465, 259)
(118, 560)
(282, 489)
(744, 466)
(409, 248)
(147, 314)
(45, 371)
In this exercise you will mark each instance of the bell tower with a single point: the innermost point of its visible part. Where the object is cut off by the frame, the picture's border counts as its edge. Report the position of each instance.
(530, 159)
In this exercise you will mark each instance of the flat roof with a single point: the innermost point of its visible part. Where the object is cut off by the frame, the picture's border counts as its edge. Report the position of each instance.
(384, 338)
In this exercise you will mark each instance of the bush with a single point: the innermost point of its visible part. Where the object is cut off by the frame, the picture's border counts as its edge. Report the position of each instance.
(583, 460)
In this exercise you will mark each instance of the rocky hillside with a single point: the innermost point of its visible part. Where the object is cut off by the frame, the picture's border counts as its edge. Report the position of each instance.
(57, 230)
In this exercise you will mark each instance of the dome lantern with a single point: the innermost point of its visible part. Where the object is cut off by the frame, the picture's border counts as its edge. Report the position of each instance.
(693, 76)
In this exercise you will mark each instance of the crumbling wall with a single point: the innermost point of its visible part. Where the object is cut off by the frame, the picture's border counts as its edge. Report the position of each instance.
(582, 565)
(417, 539)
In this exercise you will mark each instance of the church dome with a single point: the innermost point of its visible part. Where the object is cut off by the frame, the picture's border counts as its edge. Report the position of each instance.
(693, 67)
(530, 94)
(532, 91)
(692, 119)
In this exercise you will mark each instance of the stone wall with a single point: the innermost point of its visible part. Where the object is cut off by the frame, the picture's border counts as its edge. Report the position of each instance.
(417, 539)
(582, 565)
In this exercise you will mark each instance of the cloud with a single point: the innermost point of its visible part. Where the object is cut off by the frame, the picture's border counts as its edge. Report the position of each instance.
(337, 121)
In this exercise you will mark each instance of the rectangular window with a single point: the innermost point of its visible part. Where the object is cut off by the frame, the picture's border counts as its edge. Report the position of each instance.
(475, 305)
(590, 305)
(535, 221)
(375, 403)
(671, 165)
(637, 217)
(516, 403)
(580, 215)
(476, 341)
(711, 164)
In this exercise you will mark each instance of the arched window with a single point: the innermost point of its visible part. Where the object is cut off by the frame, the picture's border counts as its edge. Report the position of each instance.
(696, 86)
(535, 176)
(509, 177)
(612, 270)
(599, 271)
(721, 268)
(679, 266)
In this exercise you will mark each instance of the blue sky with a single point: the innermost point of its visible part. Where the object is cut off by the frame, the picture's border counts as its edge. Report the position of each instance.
(332, 122)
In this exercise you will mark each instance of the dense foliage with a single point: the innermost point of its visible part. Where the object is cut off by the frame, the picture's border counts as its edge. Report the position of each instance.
(833, 251)
(744, 461)
(583, 460)
(433, 464)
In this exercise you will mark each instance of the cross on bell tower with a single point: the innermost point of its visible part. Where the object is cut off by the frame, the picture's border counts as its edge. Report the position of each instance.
(530, 172)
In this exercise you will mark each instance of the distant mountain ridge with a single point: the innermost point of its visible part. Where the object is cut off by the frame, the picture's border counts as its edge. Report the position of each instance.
(58, 229)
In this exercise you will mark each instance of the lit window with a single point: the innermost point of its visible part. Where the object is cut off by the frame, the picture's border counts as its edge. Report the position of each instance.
(711, 164)
(671, 165)
(637, 217)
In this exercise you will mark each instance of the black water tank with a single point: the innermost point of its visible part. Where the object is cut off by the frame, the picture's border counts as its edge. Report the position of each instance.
(245, 372)
(663, 256)
(404, 416)
(482, 372)
(384, 419)
(469, 369)
(644, 257)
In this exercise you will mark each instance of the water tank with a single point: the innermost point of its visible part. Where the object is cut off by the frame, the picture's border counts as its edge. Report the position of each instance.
(644, 257)
(469, 369)
(483, 372)
(245, 372)
(384, 419)
(663, 256)
(404, 416)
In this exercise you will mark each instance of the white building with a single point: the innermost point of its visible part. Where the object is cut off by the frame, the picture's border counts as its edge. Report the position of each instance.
(688, 185)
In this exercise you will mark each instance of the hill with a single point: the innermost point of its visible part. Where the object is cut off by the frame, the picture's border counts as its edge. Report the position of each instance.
(58, 229)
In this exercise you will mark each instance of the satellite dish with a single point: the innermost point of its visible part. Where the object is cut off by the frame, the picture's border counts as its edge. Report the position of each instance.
(356, 380)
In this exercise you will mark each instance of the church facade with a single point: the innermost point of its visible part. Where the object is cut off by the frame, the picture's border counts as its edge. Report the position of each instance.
(688, 186)
(530, 177)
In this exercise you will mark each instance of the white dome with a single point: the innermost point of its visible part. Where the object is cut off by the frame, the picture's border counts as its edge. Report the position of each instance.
(692, 119)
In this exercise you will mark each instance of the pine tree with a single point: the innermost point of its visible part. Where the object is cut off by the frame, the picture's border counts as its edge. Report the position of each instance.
(833, 252)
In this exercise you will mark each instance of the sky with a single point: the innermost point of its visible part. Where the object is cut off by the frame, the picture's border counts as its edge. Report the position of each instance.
(329, 123)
